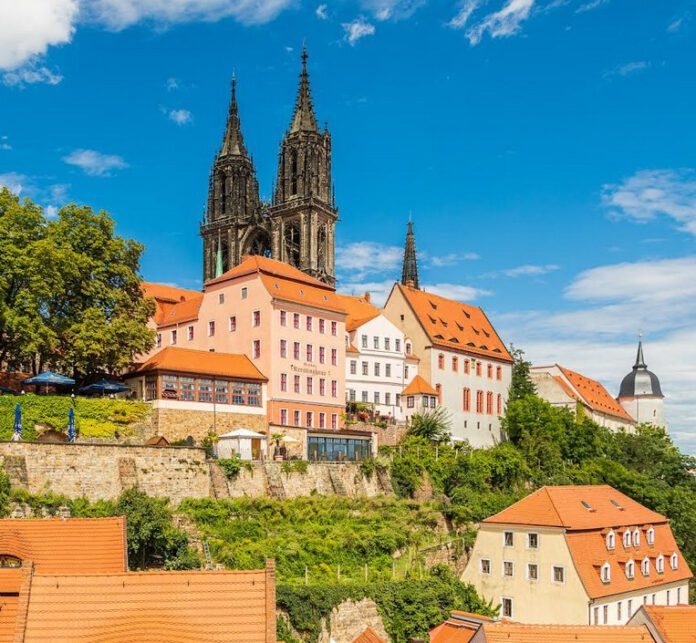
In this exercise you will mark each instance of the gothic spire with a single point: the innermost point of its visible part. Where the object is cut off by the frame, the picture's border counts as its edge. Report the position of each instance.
(640, 360)
(233, 142)
(409, 272)
(303, 118)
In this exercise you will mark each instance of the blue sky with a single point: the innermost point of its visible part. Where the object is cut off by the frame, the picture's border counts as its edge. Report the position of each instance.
(545, 148)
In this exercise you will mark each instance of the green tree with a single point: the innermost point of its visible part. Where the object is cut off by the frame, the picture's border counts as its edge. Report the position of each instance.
(432, 424)
(521, 384)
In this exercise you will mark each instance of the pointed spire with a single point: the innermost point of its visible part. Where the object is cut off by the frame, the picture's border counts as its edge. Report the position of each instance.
(409, 272)
(640, 360)
(303, 118)
(233, 141)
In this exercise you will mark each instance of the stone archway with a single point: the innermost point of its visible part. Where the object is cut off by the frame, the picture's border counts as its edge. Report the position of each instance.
(258, 243)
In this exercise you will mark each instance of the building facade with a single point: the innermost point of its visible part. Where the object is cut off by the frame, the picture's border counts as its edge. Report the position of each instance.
(641, 395)
(297, 227)
(591, 552)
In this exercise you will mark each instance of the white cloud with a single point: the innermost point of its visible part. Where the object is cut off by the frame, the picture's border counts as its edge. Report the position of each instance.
(362, 258)
(357, 29)
(180, 116)
(458, 292)
(95, 163)
(172, 84)
(466, 9)
(503, 23)
(23, 185)
(677, 24)
(453, 259)
(589, 6)
(379, 290)
(627, 69)
(322, 12)
(29, 27)
(4, 144)
(120, 14)
(392, 9)
(649, 194)
(530, 270)
(31, 74)
(14, 182)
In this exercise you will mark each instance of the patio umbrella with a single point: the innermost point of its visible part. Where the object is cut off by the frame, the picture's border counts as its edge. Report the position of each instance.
(49, 377)
(71, 425)
(17, 436)
(288, 439)
(104, 386)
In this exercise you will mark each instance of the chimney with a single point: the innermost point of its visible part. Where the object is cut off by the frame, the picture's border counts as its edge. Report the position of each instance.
(367, 296)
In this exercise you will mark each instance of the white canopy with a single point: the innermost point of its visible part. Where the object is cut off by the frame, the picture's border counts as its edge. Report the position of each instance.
(243, 433)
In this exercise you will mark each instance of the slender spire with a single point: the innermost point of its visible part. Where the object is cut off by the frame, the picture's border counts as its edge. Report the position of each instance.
(409, 272)
(640, 360)
(303, 118)
(233, 142)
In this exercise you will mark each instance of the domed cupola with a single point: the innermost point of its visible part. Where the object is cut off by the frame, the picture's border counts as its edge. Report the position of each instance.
(640, 382)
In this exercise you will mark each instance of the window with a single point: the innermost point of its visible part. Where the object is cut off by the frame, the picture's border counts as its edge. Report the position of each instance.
(283, 381)
(678, 595)
(489, 371)
(387, 399)
(9, 561)
(466, 366)
(364, 396)
(408, 348)
(489, 403)
(334, 421)
(334, 388)
(257, 349)
(605, 614)
(499, 372)
(322, 420)
(629, 608)
(410, 401)
(455, 364)
(211, 328)
(660, 564)
(322, 386)
(485, 566)
(245, 292)
(159, 340)
(256, 318)
(309, 323)
(478, 368)
(627, 539)
(438, 388)
(351, 394)
(386, 344)
(406, 373)
(173, 339)
(668, 596)
(558, 574)
(508, 568)
(479, 401)
(284, 417)
(508, 538)
(364, 341)
(296, 320)
(619, 605)
(636, 538)
(674, 561)
(645, 567)
(650, 536)
(533, 541)
(189, 333)
(630, 569)
(283, 348)
(376, 369)
(322, 326)
(353, 367)
(310, 386)
(334, 357)
(467, 399)
(506, 607)
(365, 366)
(233, 323)
(309, 420)
(611, 540)
(387, 370)
(296, 350)
(532, 571)
(606, 573)
(296, 384)
(441, 362)
(283, 318)
(375, 343)
(310, 353)
(397, 345)
(334, 328)
(499, 404)
(595, 615)
(322, 355)
(376, 397)
(296, 418)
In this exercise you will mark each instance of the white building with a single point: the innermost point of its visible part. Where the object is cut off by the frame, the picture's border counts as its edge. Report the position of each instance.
(640, 393)
(379, 359)
(565, 388)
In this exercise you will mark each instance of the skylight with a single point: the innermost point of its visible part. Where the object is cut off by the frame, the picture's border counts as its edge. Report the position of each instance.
(616, 504)
(586, 505)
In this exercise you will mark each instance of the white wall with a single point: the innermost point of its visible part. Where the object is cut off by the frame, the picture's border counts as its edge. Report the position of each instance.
(678, 595)
(645, 409)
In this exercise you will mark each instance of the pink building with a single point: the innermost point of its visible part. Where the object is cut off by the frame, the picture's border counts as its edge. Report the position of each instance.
(290, 325)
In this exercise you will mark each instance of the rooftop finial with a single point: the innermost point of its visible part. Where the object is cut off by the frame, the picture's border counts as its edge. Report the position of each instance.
(303, 118)
(233, 141)
(409, 271)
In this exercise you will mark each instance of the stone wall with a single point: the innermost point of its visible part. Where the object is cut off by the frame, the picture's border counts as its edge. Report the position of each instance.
(389, 436)
(178, 424)
(349, 620)
(98, 471)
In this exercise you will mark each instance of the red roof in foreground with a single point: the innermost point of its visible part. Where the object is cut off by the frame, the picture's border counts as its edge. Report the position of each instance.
(368, 636)
(506, 632)
(459, 628)
(674, 623)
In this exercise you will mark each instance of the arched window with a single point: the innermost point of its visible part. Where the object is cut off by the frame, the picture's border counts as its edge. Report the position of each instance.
(611, 540)
(650, 536)
(630, 569)
(293, 172)
(645, 567)
(606, 573)
(660, 564)
(627, 538)
(441, 361)
(8, 560)
(636, 538)
(674, 561)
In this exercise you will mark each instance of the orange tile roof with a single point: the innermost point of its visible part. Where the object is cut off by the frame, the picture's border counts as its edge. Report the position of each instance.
(589, 552)
(188, 360)
(566, 388)
(166, 292)
(522, 633)
(675, 624)
(153, 607)
(352, 349)
(595, 395)
(369, 636)
(419, 386)
(168, 314)
(254, 263)
(8, 618)
(358, 309)
(58, 546)
(459, 628)
(454, 325)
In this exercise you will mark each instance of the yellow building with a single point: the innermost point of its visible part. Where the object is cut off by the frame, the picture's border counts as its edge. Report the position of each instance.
(577, 555)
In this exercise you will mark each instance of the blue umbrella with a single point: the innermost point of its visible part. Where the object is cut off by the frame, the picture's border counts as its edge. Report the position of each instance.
(71, 425)
(18, 424)
(104, 386)
(49, 377)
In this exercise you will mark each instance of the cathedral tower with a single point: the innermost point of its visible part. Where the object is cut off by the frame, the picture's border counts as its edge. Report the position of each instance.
(409, 271)
(303, 213)
(641, 394)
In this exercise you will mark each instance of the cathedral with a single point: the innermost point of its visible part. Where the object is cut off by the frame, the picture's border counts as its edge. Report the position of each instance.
(297, 226)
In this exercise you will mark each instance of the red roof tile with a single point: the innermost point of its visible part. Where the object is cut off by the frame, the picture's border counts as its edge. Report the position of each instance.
(368, 636)
(419, 386)
(507, 632)
(675, 623)
(358, 309)
(595, 395)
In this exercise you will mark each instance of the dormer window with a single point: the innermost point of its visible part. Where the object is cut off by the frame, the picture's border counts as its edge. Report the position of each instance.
(630, 569)
(627, 539)
(611, 540)
(650, 536)
(645, 567)
(9, 561)
(636, 538)
(660, 564)
(606, 573)
(674, 561)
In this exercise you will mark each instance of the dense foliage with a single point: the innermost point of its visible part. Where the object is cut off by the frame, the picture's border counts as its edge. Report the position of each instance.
(70, 293)
(431, 424)
(94, 417)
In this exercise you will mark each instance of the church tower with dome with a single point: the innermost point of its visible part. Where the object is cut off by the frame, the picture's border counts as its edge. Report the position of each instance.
(641, 395)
